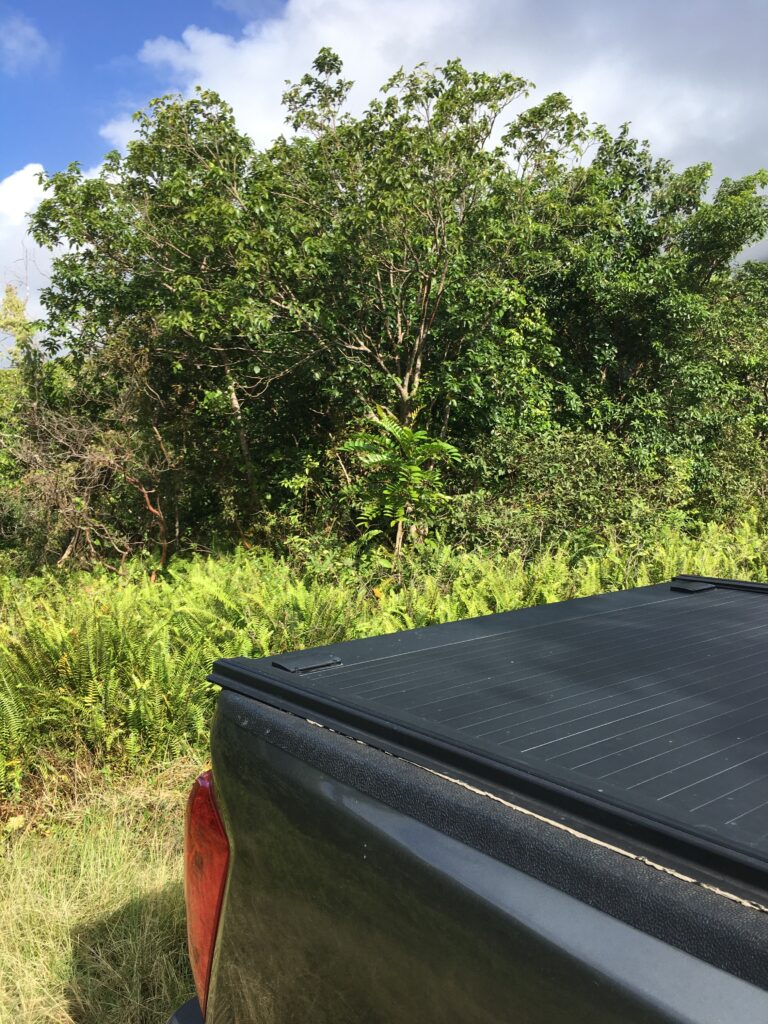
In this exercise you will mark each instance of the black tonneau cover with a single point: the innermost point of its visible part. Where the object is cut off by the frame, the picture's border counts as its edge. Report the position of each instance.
(649, 704)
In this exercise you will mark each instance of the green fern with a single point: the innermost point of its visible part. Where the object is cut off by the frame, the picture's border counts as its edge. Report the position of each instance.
(118, 666)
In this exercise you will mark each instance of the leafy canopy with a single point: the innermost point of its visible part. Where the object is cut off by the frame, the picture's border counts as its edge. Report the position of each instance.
(499, 275)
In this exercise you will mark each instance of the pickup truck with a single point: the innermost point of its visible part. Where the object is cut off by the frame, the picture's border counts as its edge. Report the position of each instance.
(554, 814)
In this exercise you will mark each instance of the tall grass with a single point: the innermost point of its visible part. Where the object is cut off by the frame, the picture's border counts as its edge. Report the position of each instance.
(92, 930)
(114, 667)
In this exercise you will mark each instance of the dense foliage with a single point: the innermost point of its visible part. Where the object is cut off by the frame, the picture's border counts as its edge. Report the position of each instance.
(452, 307)
(112, 668)
(455, 321)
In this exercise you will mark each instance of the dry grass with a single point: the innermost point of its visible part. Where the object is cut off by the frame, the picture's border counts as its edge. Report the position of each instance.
(92, 922)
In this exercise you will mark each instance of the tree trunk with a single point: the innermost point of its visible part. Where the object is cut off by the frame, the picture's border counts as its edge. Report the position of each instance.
(245, 448)
(399, 537)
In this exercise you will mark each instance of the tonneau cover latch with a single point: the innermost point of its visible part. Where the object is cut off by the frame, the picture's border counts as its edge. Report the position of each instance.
(691, 586)
(305, 661)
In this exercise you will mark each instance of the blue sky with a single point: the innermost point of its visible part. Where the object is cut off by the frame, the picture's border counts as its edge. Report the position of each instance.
(52, 105)
(691, 75)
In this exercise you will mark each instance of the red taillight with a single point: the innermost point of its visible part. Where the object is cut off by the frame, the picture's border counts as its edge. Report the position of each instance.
(206, 856)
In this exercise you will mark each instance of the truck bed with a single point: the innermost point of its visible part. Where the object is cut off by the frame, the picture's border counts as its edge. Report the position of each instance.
(364, 887)
(644, 712)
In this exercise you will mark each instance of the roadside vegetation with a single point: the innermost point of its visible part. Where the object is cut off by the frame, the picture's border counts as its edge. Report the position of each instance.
(465, 307)
(112, 668)
(464, 352)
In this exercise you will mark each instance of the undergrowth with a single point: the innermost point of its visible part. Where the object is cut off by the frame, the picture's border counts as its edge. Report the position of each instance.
(115, 666)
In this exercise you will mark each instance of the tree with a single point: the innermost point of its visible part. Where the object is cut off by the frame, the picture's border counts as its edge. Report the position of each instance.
(631, 286)
(154, 304)
(14, 322)
(220, 318)
(398, 239)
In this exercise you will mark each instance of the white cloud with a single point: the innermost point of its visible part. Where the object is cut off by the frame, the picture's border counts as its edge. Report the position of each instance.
(118, 132)
(695, 88)
(374, 39)
(22, 46)
(20, 192)
(22, 263)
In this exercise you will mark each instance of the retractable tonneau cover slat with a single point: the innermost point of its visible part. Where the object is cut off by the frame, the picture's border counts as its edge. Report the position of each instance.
(651, 703)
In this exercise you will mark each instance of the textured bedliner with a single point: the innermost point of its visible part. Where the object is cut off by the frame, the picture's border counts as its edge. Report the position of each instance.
(653, 702)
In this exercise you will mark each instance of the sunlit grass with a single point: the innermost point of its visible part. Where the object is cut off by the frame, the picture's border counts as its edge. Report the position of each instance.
(92, 924)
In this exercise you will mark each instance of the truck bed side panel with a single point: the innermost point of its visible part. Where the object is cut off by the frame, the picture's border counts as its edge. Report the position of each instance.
(362, 889)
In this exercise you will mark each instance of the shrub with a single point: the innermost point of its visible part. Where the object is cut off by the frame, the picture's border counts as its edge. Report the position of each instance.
(542, 487)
